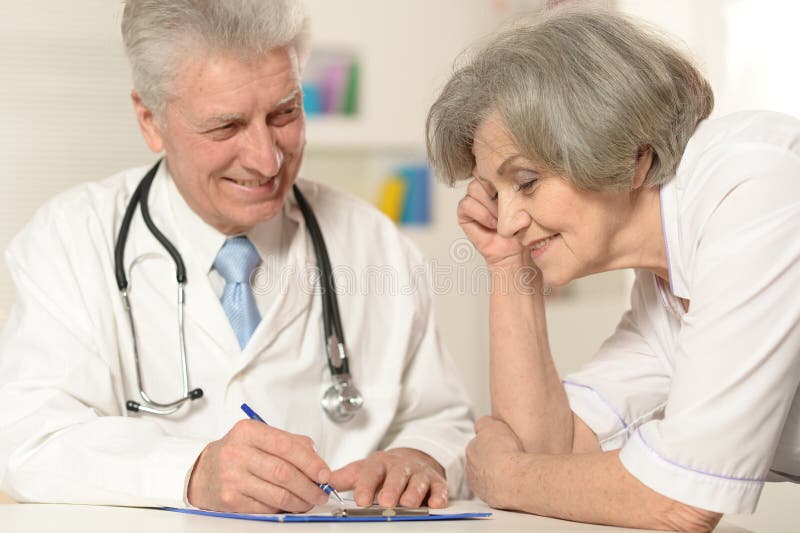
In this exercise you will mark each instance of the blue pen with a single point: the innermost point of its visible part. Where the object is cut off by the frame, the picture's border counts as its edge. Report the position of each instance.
(327, 489)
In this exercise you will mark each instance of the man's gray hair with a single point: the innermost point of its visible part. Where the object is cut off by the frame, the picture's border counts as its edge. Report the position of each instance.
(581, 91)
(159, 35)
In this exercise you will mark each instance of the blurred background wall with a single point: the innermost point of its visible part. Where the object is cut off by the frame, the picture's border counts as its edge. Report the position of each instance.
(67, 118)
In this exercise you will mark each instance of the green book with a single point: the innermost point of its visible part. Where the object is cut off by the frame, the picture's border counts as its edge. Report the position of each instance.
(350, 106)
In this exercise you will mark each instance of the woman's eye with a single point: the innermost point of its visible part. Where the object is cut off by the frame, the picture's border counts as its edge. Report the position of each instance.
(525, 180)
(526, 185)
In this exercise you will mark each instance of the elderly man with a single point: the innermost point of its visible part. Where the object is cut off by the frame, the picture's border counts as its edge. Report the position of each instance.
(86, 396)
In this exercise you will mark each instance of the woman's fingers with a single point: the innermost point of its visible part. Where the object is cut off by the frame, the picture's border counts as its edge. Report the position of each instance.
(470, 209)
(484, 194)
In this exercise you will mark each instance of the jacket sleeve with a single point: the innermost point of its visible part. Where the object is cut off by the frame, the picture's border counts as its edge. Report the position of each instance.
(626, 384)
(737, 368)
(64, 436)
(434, 413)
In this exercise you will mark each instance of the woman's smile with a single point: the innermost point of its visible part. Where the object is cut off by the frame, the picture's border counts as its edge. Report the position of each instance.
(540, 246)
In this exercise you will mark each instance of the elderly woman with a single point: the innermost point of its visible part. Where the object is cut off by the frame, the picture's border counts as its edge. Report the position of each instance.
(589, 149)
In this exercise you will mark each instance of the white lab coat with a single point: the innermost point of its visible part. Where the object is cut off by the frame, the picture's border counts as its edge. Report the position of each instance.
(67, 367)
(705, 404)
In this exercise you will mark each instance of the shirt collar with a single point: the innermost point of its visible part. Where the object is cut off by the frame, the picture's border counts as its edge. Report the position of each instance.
(205, 240)
(669, 225)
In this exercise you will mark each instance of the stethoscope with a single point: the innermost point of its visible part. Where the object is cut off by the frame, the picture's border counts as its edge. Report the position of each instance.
(341, 400)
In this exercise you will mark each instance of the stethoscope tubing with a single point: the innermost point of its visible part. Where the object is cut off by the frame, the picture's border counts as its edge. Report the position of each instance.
(332, 324)
(139, 198)
(331, 320)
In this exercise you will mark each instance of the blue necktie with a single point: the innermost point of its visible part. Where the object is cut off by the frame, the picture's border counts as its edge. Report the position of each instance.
(236, 261)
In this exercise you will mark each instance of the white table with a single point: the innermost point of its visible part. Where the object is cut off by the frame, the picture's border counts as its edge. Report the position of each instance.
(30, 518)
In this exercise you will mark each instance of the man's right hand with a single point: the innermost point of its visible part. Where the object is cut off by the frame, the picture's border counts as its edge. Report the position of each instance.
(256, 468)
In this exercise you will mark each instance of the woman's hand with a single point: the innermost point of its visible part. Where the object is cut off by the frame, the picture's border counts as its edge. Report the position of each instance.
(477, 216)
(489, 456)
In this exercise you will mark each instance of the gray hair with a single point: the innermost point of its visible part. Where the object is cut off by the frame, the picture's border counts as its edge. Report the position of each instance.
(159, 35)
(581, 91)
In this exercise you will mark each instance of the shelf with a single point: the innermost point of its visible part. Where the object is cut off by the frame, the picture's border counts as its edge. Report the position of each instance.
(353, 134)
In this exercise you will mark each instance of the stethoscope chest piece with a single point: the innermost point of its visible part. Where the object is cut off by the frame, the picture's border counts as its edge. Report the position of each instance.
(342, 400)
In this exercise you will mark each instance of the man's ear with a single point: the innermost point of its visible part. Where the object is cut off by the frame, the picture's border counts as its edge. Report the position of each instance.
(644, 160)
(149, 126)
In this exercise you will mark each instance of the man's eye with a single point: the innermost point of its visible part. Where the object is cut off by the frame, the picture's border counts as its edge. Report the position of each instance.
(223, 132)
(225, 128)
(285, 116)
(288, 112)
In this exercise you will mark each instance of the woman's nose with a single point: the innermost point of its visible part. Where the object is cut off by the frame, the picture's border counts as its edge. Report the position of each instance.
(511, 220)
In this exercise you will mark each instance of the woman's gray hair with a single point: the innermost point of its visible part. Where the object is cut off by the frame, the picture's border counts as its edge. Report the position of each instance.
(159, 35)
(581, 91)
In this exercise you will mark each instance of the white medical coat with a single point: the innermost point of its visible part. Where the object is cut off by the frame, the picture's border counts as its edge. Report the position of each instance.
(67, 367)
(705, 403)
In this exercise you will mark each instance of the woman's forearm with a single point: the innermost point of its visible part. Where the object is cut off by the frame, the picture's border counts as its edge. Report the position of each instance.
(593, 488)
(526, 390)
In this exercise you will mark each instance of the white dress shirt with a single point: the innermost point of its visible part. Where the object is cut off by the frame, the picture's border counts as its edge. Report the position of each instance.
(205, 241)
(704, 403)
(66, 352)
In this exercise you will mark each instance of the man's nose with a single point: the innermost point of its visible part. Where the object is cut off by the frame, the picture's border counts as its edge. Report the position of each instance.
(260, 153)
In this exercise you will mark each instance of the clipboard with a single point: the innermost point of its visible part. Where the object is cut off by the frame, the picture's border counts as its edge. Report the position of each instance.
(330, 513)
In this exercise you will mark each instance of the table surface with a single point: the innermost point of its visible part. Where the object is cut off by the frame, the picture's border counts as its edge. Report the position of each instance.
(36, 517)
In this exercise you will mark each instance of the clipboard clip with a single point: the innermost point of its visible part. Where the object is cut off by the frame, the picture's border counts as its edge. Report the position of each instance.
(377, 510)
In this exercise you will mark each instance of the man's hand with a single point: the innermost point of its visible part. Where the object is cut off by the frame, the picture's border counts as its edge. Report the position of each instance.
(401, 476)
(487, 456)
(256, 468)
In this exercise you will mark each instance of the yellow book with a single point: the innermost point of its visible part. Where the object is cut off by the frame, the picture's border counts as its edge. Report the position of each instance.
(392, 197)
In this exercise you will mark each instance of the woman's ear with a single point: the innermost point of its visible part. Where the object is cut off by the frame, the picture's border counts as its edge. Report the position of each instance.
(148, 124)
(644, 160)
